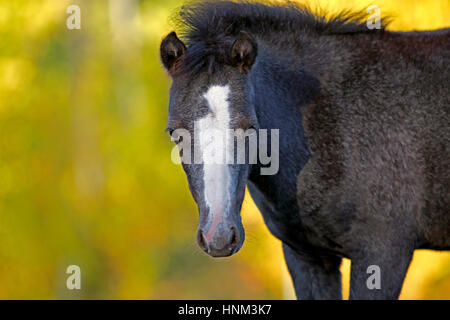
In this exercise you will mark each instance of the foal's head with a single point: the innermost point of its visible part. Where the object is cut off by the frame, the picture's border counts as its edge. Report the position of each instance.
(210, 110)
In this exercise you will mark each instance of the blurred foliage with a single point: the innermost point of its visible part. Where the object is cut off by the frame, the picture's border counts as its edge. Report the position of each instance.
(85, 170)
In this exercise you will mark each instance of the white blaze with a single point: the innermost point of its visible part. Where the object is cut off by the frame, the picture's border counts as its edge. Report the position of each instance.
(214, 142)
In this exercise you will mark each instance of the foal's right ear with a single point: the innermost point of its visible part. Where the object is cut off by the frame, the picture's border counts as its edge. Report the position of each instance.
(172, 49)
(244, 51)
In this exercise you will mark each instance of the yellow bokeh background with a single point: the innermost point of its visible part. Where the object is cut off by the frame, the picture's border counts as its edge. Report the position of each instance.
(85, 170)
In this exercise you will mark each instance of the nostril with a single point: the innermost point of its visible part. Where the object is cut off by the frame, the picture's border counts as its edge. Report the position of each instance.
(234, 237)
(201, 240)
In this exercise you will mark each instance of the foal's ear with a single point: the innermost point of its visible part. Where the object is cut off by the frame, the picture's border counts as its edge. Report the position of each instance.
(172, 49)
(244, 51)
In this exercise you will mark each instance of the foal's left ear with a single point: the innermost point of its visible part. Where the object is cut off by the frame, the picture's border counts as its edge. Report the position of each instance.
(244, 51)
(172, 49)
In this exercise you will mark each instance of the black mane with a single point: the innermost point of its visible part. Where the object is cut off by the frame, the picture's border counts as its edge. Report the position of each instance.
(208, 27)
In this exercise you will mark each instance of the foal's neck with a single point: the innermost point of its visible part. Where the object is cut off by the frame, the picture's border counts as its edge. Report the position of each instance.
(279, 94)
